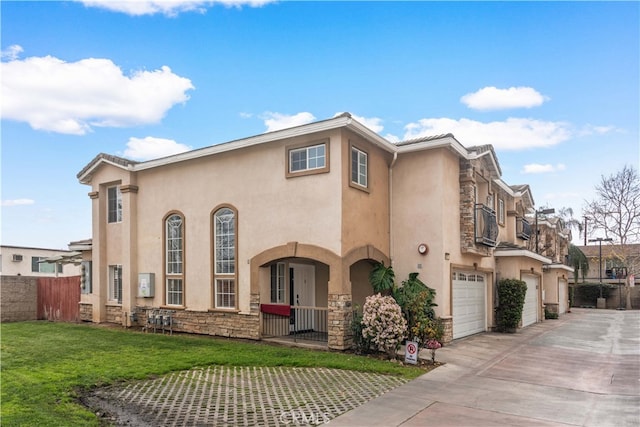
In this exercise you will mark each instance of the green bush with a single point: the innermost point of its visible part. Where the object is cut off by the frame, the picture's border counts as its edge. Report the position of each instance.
(549, 314)
(588, 293)
(511, 294)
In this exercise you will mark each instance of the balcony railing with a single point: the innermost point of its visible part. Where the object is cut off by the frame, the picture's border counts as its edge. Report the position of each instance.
(523, 229)
(301, 324)
(486, 226)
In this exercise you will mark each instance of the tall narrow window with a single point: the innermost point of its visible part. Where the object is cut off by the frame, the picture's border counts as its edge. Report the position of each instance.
(358, 167)
(114, 203)
(224, 230)
(174, 255)
(277, 283)
(115, 283)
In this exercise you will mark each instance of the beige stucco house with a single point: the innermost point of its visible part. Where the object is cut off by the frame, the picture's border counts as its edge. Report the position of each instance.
(37, 262)
(277, 233)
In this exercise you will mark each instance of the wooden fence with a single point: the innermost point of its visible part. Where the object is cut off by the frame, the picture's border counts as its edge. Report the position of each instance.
(59, 298)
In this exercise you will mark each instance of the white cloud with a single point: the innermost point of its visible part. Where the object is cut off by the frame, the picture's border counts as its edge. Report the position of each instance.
(17, 202)
(153, 148)
(511, 134)
(73, 97)
(167, 7)
(492, 98)
(277, 121)
(538, 168)
(12, 52)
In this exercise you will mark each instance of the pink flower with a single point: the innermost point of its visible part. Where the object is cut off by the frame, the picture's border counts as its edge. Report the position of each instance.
(433, 344)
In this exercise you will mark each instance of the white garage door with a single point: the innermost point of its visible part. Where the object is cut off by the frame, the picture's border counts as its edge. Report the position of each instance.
(563, 298)
(530, 310)
(469, 303)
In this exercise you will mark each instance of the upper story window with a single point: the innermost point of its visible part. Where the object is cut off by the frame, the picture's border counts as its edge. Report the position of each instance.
(307, 160)
(174, 256)
(114, 204)
(359, 167)
(501, 212)
(224, 235)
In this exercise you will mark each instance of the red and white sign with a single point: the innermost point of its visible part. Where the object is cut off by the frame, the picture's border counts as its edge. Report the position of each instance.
(411, 352)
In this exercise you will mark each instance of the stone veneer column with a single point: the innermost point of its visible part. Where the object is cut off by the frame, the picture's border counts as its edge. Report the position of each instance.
(447, 324)
(340, 314)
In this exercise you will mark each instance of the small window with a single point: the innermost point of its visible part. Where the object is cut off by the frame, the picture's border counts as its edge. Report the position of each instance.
(305, 160)
(277, 283)
(114, 202)
(42, 267)
(359, 167)
(115, 283)
(501, 211)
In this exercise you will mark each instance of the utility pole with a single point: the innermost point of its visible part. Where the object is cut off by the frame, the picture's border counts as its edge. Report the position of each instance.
(600, 240)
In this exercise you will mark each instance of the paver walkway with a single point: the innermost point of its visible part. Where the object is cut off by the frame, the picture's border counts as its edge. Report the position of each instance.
(241, 396)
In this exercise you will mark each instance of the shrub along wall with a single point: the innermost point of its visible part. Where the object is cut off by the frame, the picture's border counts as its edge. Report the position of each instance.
(586, 295)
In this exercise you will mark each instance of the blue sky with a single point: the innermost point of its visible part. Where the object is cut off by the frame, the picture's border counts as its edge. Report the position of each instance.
(554, 86)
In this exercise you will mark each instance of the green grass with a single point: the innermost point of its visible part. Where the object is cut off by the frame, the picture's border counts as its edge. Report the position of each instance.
(45, 365)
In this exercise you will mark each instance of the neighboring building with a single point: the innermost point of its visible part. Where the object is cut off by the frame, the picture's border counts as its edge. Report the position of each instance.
(37, 262)
(617, 261)
(278, 232)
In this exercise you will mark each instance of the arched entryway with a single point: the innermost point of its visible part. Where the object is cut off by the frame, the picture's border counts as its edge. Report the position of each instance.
(305, 292)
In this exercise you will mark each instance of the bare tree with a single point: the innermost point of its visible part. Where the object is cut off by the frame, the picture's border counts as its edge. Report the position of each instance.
(616, 212)
(616, 208)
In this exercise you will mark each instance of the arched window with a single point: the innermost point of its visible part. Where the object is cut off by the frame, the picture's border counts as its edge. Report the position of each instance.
(174, 260)
(224, 258)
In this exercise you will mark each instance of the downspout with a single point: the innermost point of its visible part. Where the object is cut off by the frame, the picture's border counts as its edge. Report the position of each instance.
(391, 242)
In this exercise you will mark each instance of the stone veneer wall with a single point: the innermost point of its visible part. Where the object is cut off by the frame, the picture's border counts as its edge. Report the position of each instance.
(339, 318)
(86, 312)
(18, 298)
(114, 314)
(447, 324)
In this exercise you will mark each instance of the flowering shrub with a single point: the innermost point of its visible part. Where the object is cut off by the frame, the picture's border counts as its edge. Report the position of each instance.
(425, 329)
(433, 345)
(383, 324)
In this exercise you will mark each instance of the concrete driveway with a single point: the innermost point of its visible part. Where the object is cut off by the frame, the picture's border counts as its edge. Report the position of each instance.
(580, 370)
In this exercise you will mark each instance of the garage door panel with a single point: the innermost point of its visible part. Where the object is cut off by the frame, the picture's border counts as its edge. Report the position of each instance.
(531, 304)
(469, 313)
(562, 297)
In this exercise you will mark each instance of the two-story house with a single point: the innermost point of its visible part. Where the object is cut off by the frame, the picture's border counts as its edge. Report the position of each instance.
(277, 233)
(37, 262)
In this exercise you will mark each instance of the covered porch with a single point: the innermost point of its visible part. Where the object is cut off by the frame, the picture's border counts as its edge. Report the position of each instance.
(307, 293)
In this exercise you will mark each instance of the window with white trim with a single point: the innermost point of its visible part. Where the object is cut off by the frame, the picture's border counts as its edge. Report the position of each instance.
(359, 166)
(277, 283)
(115, 283)
(44, 267)
(307, 158)
(501, 216)
(224, 235)
(174, 256)
(114, 204)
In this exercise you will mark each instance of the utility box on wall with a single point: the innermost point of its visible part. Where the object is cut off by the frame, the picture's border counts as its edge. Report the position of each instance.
(146, 285)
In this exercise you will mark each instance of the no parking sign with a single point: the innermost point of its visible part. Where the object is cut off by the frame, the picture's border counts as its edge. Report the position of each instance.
(411, 352)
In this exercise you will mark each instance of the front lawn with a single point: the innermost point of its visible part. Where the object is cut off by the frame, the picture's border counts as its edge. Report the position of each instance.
(45, 365)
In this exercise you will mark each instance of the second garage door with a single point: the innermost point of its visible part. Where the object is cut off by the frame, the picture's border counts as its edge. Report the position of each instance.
(530, 310)
(469, 303)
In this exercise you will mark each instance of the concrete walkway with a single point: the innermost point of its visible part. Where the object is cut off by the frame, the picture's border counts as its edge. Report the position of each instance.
(580, 370)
